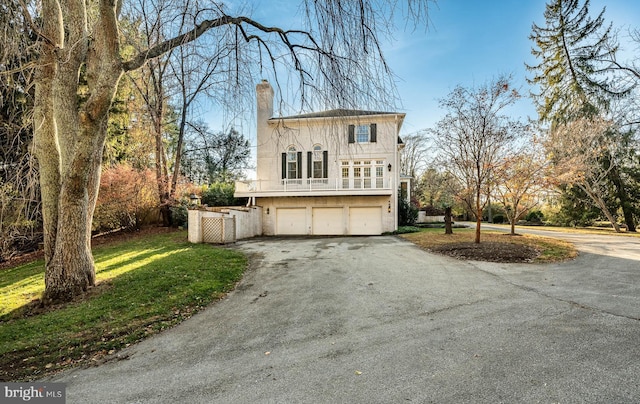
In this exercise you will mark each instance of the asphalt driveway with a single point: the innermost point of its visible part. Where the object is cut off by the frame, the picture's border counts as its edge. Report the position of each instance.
(377, 320)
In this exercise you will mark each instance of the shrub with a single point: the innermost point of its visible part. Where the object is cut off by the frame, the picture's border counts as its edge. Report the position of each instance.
(407, 213)
(407, 229)
(220, 194)
(431, 210)
(498, 219)
(128, 198)
(179, 214)
(534, 216)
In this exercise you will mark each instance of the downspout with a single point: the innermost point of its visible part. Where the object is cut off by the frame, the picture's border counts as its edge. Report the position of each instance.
(396, 174)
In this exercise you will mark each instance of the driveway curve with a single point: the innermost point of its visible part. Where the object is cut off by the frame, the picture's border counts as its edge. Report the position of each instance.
(378, 320)
(605, 275)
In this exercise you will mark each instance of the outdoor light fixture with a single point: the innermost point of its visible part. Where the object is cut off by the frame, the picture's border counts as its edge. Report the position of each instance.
(389, 208)
(389, 167)
(195, 199)
(267, 211)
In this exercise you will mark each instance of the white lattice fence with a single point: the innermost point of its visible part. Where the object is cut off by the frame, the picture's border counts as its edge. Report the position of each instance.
(218, 230)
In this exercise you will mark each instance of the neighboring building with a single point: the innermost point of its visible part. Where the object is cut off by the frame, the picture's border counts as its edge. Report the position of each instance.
(325, 173)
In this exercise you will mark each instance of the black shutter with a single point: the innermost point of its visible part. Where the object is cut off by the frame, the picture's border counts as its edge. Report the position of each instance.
(352, 134)
(299, 164)
(309, 165)
(373, 135)
(284, 166)
(325, 160)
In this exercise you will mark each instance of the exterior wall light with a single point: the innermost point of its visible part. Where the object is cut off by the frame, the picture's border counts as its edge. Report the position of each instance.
(389, 167)
(389, 208)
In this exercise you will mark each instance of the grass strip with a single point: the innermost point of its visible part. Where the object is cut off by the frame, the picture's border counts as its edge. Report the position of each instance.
(144, 285)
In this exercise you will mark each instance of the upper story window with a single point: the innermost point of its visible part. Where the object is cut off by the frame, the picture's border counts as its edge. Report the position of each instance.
(317, 161)
(359, 174)
(292, 164)
(363, 133)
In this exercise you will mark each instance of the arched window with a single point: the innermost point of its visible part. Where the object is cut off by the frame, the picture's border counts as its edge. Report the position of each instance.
(318, 162)
(292, 162)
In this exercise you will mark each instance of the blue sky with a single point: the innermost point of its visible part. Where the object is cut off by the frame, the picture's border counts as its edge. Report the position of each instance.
(472, 42)
(468, 43)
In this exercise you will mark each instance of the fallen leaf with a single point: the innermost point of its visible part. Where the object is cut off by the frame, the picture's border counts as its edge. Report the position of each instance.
(358, 372)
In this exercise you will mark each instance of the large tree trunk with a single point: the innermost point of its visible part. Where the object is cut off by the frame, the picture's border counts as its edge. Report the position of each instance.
(448, 228)
(162, 176)
(603, 206)
(69, 138)
(625, 203)
(179, 146)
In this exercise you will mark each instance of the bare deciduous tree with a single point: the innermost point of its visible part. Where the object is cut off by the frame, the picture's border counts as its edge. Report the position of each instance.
(336, 55)
(577, 150)
(520, 178)
(472, 137)
(413, 158)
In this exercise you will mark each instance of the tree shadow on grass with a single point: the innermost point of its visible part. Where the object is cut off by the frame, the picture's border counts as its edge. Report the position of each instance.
(131, 306)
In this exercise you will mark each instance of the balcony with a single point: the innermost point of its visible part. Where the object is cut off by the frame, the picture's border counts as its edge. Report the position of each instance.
(314, 187)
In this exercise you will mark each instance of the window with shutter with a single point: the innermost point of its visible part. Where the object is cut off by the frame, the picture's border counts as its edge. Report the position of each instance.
(363, 133)
(292, 163)
(318, 162)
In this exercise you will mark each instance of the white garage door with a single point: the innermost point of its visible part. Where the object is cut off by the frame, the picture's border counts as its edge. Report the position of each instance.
(291, 221)
(365, 221)
(327, 221)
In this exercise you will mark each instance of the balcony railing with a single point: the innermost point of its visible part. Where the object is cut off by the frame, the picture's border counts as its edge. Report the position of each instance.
(313, 184)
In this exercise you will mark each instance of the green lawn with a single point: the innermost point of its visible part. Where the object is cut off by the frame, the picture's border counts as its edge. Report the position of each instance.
(144, 285)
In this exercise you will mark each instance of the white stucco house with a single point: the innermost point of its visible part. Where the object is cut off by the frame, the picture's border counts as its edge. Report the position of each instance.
(326, 173)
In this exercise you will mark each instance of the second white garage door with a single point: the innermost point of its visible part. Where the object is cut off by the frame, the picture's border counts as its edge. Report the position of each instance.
(365, 221)
(328, 221)
(291, 221)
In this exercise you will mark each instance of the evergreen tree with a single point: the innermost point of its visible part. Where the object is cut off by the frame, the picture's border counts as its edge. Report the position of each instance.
(572, 73)
(576, 79)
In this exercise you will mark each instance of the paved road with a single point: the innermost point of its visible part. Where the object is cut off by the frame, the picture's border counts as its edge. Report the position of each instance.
(605, 276)
(617, 246)
(377, 320)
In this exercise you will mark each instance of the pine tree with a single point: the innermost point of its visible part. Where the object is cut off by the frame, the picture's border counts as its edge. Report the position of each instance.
(572, 73)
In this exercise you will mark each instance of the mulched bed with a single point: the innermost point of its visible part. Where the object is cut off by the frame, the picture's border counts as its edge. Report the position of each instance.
(489, 251)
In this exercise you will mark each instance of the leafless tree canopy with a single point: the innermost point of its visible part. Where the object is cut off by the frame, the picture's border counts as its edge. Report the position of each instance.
(335, 52)
(578, 150)
(473, 136)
